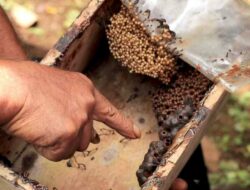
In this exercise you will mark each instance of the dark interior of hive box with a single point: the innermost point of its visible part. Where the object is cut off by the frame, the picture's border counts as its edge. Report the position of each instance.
(112, 164)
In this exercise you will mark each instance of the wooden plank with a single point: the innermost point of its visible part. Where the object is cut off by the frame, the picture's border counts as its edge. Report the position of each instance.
(83, 37)
(11, 180)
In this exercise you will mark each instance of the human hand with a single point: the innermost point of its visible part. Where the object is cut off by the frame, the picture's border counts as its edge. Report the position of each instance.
(54, 109)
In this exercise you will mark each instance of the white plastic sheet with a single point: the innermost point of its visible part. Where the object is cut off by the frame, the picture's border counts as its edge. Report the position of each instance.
(215, 35)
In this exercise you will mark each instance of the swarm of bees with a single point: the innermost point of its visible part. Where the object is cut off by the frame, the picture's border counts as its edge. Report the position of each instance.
(131, 45)
(188, 84)
(175, 102)
(166, 132)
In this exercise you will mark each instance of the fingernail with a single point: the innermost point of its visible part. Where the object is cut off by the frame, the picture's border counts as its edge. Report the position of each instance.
(137, 131)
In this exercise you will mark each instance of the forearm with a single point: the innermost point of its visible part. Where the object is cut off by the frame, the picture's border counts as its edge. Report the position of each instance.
(10, 47)
(12, 91)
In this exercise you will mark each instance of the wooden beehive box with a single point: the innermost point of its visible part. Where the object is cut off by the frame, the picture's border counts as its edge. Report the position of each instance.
(112, 163)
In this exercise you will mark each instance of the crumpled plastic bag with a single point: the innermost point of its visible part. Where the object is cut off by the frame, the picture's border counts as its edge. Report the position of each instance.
(214, 35)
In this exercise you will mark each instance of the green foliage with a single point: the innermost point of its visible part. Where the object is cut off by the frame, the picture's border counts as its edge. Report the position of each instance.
(238, 141)
(240, 112)
(229, 165)
(235, 141)
(223, 142)
(244, 99)
(241, 118)
(247, 151)
(230, 174)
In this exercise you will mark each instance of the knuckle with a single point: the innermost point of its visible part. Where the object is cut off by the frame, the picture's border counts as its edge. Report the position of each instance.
(84, 78)
(70, 131)
(90, 101)
(78, 75)
(82, 118)
(50, 153)
(59, 154)
(110, 112)
(88, 81)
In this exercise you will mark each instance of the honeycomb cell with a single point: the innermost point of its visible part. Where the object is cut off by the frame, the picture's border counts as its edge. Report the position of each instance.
(135, 49)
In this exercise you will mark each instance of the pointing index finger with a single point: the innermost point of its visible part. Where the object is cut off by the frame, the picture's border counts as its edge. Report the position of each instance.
(105, 112)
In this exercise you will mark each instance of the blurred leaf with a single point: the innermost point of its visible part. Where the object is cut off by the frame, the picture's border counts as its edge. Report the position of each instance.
(234, 112)
(229, 165)
(70, 17)
(244, 99)
(238, 140)
(246, 151)
(248, 148)
(225, 139)
(224, 142)
(231, 177)
(243, 175)
(235, 142)
(239, 127)
(214, 178)
(241, 118)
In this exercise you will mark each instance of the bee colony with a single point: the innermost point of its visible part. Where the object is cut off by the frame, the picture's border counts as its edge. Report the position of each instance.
(132, 47)
(183, 87)
(164, 96)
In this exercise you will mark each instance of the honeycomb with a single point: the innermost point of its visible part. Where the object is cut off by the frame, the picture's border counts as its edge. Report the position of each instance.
(135, 49)
(174, 105)
(189, 84)
(152, 159)
(182, 86)
(166, 132)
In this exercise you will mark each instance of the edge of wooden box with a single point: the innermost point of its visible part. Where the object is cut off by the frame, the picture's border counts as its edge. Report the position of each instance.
(82, 38)
(187, 140)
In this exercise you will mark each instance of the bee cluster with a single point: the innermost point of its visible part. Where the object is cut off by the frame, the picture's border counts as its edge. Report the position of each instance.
(175, 102)
(151, 160)
(188, 84)
(135, 49)
(166, 132)
(173, 105)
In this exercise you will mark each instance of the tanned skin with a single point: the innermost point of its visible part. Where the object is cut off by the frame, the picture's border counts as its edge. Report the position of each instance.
(50, 108)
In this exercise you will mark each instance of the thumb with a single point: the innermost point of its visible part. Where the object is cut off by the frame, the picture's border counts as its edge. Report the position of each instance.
(105, 112)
